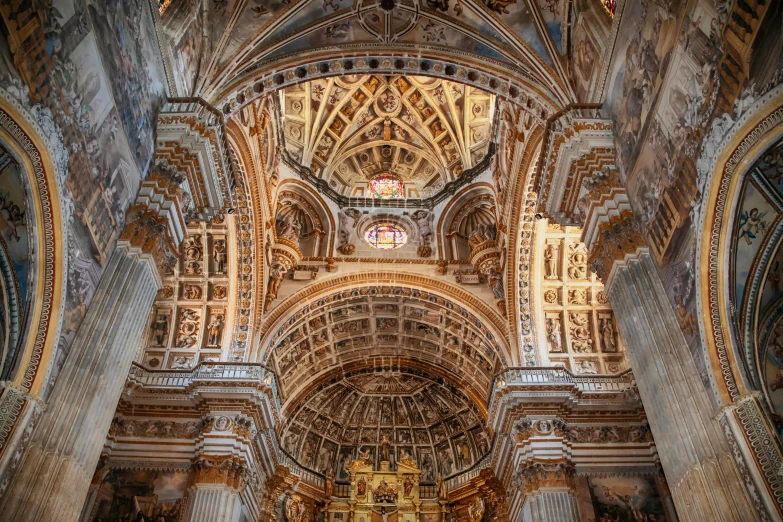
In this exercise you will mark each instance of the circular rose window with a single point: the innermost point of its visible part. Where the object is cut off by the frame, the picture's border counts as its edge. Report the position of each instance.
(386, 236)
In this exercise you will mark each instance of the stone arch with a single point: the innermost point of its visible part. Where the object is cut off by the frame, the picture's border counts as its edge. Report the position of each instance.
(25, 142)
(473, 206)
(299, 198)
(728, 154)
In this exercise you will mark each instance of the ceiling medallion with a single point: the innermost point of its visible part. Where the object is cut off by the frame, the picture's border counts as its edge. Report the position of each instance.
(387, 20)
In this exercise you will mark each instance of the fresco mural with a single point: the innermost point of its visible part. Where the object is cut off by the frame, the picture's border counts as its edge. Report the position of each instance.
(109, 149)
(663, 98)
(626, 498)
(14, 260)
(124, 495)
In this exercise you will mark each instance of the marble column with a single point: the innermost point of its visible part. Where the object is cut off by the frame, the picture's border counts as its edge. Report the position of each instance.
(214, 495)
(55, 475)
(703, 476)
(551, 506)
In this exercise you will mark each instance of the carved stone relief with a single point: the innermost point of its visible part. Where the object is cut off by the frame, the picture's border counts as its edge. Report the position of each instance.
(580, 332)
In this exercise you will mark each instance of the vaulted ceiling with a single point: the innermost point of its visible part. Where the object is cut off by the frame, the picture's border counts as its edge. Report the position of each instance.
(244, 36)
(424, 130)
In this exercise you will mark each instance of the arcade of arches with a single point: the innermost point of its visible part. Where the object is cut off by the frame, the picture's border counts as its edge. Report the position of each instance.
(391, 260)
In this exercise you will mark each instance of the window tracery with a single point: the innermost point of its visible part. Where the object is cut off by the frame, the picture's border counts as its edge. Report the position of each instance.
(386, 236)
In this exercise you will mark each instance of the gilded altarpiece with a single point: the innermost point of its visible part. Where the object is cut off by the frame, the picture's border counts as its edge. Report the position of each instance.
(578, 329)
(383, 495)
(192, 318)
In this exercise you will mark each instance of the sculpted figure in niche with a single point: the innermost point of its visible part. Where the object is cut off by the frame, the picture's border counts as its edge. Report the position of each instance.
(550, 262)
(483, 232)
(607, 335)
(553, 336)
(361, 487)
(160, 329)
(215, 329)
(348, 218)
(289, 228)
(385, 446)
(220, 256)
(405, 458)
(407, 486)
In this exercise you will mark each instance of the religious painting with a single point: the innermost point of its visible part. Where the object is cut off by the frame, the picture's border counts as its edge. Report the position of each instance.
(626, 498)
(156, 495)
(128, 39)
(584, 59)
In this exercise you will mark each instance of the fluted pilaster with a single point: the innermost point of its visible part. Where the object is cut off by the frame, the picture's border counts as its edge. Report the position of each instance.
(550, 506)
(703, 476)
(54, 477)
(213, 503)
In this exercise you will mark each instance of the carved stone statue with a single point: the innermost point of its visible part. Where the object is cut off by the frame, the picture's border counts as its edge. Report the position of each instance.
(607, 335)
(423, 219)
(385, 445)
(440, 488)
(550, 262)
(329, 484)
(276, 276)
(553, 336)
(289, 228)
(577, 268)
(215, 329)
(219, 255)
(348, 218)
(495, 280)
(160, 329)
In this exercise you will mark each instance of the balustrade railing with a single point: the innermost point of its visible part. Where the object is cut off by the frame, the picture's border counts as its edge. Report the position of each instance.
(206, 371)
(469, 474)
(556, 376)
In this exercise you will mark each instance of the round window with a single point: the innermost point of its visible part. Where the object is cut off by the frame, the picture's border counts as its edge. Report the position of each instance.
(386, 236)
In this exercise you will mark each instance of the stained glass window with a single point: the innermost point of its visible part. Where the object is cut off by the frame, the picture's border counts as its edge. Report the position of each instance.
(386, 186)
(609, 5)
(386, 236)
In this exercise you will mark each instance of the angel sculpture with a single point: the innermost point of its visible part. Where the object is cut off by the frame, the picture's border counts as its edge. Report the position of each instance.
(752, 225)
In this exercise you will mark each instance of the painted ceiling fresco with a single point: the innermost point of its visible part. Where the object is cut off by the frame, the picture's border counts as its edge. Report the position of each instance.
(756, 270)
(423, 130)
(431, 421)
(526, 34)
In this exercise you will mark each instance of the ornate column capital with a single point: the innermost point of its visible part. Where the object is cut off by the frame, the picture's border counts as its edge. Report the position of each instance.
(219, 470)
(540, 475)
(618, 236)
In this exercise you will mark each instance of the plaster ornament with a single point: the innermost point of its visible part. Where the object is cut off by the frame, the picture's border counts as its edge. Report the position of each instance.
(192, 292)
(219, 292)
(182, 362)
(550, 296)
(577, 258)
(577, 296)
(581, 341)
(190, 321)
